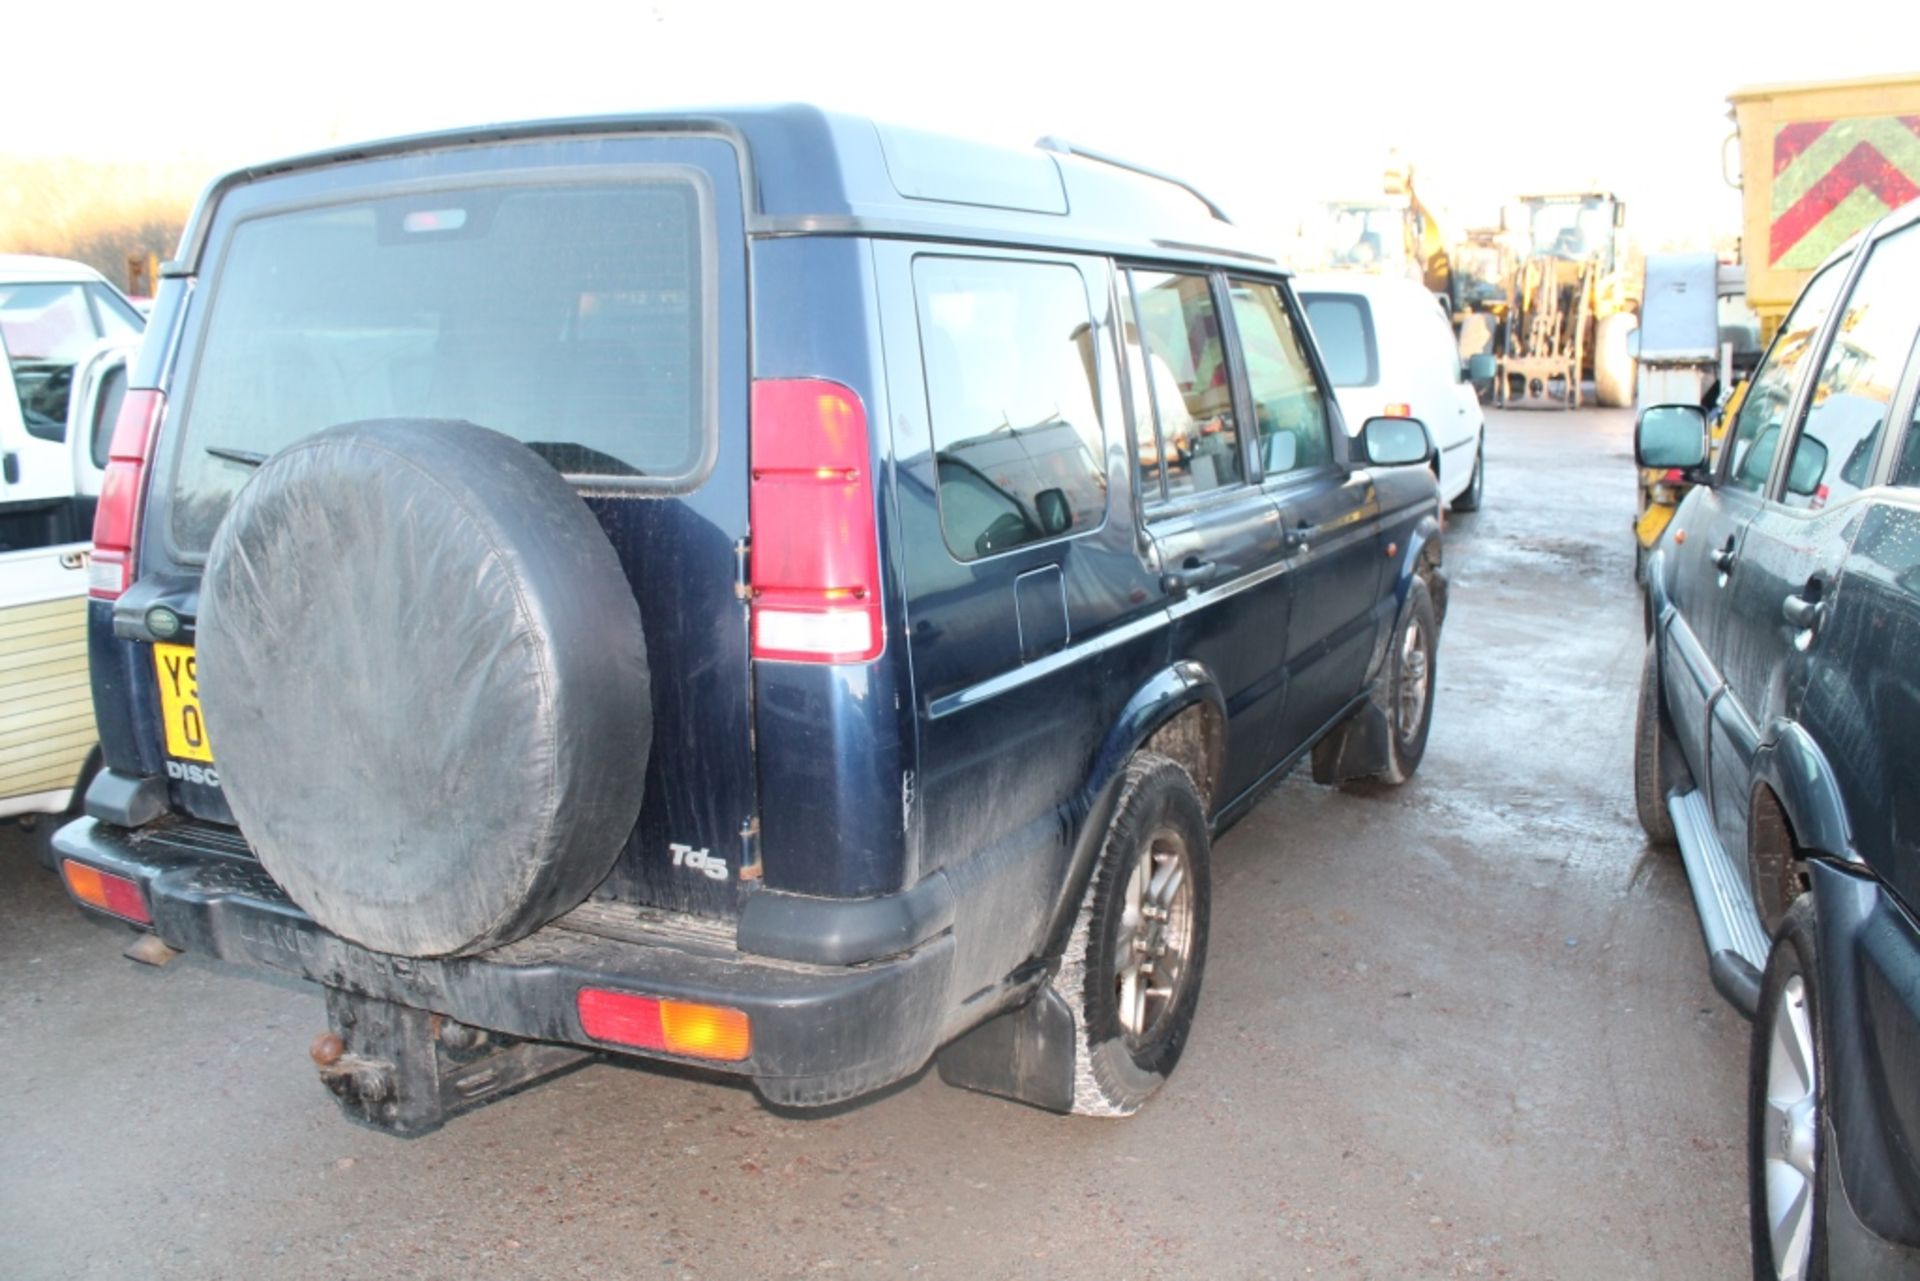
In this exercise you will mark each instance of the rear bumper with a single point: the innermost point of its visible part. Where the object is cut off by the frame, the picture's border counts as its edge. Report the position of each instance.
(820, 1034)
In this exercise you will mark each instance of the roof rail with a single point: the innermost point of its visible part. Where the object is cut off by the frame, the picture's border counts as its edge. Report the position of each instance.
(1065, 148)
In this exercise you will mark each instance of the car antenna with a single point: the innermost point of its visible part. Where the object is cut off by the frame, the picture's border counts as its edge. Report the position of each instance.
(1065, 148)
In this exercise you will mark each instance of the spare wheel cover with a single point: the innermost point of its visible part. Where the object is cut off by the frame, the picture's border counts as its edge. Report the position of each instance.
(424, 682)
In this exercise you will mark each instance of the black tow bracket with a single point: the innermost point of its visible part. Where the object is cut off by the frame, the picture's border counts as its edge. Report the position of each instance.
(406, 1071)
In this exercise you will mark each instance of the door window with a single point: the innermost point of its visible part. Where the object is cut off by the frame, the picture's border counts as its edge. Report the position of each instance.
(1289, 412)
(1756, 433)
(1907, 470)
(1196, 440)
(1834, 452)
(1012, 390)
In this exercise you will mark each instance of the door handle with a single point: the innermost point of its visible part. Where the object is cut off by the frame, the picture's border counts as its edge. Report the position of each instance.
(10, 468)
(1723, 557)
(1802, 613)
(1192, 574)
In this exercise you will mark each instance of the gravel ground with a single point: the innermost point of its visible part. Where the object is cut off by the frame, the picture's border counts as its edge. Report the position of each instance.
(1462, 1030)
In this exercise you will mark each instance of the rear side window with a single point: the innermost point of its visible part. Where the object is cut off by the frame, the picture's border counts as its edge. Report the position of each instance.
(1834, 452)
(1012, 377)
(1198, 438)
(1756, 433)
(572, 317)
(1343, 326)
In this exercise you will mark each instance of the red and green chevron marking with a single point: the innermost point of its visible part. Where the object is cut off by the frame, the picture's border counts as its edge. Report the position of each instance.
(1833, 177)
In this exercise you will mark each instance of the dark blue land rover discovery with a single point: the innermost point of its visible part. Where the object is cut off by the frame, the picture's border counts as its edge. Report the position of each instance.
(1779, 743)
(760, 589)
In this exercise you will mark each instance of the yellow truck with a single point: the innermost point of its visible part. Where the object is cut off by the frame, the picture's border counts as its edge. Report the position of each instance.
(1818, 163)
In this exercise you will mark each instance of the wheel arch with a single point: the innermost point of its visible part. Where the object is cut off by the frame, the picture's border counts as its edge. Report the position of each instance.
(1794, 771)
(1179, 711)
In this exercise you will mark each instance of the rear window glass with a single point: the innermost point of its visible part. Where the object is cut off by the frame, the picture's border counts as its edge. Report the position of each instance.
(571, 317)
(1343, 327)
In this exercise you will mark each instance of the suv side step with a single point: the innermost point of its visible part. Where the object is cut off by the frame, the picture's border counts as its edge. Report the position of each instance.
(1737, 943)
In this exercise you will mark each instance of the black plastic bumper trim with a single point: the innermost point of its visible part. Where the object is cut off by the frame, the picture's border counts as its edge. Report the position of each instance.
(820, 1034)
(822, 931)
(124, 800)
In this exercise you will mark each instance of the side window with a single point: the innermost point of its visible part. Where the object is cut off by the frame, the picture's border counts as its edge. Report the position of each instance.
(1289, 413)
(1343, 326)
(1019, 449)
(1756, 433)
(1907, 470)
(1833, 454)
(1198, 440)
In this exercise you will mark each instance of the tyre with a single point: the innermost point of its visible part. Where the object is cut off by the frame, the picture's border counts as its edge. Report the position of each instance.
(1652, 756)
(1787, 1080)
(1612, 365)
(422, 668)
(1132, 967)
(1469, 499)
(1405, 691)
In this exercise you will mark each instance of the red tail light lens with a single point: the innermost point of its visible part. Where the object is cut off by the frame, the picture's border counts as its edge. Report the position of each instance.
(816, 553)
(104, 890)
(116, 521)
(716, 1032)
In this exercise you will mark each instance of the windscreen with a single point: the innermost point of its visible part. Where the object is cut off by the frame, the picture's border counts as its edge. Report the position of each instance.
(568, 316)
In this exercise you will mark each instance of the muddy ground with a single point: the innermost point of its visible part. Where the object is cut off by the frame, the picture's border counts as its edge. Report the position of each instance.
(1461, 1030)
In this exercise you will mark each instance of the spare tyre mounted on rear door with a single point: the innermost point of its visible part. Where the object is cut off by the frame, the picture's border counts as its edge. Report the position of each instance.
(424, 667)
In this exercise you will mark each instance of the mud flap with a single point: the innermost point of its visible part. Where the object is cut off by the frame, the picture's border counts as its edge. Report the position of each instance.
(406, 1071)
(1359, 748)
(1025, 1055)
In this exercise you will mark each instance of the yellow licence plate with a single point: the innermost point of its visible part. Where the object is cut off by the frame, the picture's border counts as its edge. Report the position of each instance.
(180, 703)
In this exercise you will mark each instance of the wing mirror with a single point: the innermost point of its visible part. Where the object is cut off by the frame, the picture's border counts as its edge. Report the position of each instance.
(1480, 367)
(1670, 436)
(1056, 516)
(1395, 442)
(1807, 467)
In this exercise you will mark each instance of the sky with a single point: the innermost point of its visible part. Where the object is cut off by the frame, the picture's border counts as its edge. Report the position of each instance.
(1271, 108)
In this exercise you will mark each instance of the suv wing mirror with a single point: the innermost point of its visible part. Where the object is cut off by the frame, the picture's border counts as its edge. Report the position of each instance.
(1480, 368)
(1670, 436)
(1395, 442)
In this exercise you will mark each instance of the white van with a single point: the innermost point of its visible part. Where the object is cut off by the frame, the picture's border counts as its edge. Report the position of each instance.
(1390, 351)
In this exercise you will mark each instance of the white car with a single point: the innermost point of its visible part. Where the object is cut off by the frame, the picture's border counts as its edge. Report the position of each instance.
(1390, 351)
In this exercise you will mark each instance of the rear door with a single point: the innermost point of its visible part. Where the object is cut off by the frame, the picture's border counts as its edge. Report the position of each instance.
(1863, 694)
(585, 295)
(1794, 546)
(1215, 533)
(1705, 536)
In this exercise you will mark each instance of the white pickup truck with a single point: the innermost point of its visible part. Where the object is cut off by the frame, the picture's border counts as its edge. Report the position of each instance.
(66, 336)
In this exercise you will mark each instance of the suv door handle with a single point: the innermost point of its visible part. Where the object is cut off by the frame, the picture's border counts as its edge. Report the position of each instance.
(1194, 573)
(1723, 557)
(1802, 613)
(10, 468)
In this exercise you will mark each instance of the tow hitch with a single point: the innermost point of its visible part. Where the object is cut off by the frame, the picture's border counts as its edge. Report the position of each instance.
(407, 1071)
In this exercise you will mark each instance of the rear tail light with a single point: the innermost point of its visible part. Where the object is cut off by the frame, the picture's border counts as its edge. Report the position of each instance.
(816, 553)
(104, 890)
(675, 1027)
(1399, 411)
(116, 521)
